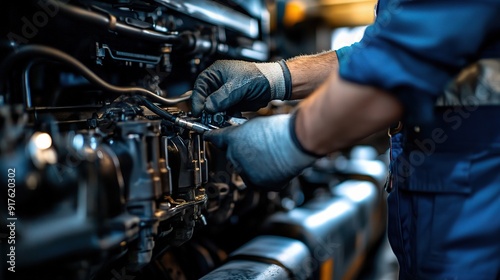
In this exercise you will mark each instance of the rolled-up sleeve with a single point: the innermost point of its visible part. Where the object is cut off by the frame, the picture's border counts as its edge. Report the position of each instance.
(415, 48)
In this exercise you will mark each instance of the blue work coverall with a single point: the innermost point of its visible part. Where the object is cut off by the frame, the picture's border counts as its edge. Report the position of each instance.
(444, 192)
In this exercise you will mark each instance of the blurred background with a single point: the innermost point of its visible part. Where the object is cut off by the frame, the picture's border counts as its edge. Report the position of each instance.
(308, 26)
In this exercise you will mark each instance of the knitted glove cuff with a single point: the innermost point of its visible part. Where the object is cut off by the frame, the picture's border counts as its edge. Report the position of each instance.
(279, 77)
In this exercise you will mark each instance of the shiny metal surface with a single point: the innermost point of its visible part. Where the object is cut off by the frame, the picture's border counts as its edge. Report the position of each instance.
(215, 13)
(289, 253)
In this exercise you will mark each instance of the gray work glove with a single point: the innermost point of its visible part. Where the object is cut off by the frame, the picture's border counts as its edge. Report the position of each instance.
(264, 150)
(236, 86)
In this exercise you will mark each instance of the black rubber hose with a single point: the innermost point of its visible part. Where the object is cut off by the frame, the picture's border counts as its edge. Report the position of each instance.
(157, 110)
(37, 51)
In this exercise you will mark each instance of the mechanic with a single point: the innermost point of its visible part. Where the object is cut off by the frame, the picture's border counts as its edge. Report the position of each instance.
(444, 191)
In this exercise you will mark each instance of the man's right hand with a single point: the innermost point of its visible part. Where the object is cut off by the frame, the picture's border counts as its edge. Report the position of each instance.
(236, 86)
(264, 150)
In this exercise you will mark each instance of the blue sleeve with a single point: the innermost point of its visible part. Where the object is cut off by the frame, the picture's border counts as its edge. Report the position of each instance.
(415, 47)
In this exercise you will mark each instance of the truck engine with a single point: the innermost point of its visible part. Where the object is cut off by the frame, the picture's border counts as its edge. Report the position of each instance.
(104, 170)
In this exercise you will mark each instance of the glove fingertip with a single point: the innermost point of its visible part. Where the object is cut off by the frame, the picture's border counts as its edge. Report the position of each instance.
(224, 98)
(213, 107)
(216, 137)
(197, 103)
(196, 109)
(210, 108)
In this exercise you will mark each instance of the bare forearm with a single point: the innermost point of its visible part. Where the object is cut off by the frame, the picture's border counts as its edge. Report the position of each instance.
(339, 113)
(310, 71)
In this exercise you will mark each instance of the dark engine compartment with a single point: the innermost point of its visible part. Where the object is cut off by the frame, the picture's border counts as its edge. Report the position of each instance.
(106, 175)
